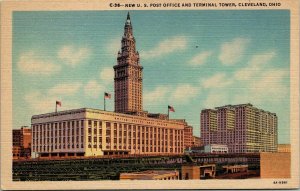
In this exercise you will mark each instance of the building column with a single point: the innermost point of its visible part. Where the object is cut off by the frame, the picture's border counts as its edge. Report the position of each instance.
(149, 139)
(118, 136)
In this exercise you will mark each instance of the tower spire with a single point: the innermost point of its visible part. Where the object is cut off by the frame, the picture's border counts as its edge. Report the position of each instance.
(128, 21)
(128, 16)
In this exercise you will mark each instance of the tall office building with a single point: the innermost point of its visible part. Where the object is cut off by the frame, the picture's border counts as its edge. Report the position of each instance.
(128, 75)
(243, 128)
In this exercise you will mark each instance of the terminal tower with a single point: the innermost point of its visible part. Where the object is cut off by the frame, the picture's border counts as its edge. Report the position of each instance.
(128, 75)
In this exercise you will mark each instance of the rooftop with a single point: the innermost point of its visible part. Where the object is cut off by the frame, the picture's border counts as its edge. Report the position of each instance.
(98, 111)
(229, 106)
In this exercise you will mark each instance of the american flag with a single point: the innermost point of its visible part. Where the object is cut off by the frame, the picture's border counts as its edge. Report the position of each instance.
(107, 95)
(171, 108)
(58, 103)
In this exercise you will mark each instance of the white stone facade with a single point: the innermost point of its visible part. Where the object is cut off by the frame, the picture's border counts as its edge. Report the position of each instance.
(92, 132)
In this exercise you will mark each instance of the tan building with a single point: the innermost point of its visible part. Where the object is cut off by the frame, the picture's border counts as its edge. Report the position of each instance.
(193, 171)
(151, 175)
(21, 142)
(243, 128)
(92, 132)
(190, 172)
(188, 136)
(128, 75)
(235, 168)
(275, 165)
(196, 142)
(284, 148)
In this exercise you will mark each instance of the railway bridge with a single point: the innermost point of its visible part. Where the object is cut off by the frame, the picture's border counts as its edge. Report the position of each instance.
(110, 167)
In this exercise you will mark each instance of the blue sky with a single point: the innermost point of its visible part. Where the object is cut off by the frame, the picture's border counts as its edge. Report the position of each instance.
(192, 60)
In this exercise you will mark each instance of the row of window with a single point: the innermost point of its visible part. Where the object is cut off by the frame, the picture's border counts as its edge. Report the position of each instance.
(43, 140)
(59, 133)
(50, 148)
(130, 128)
(64, 124)
(134, 141)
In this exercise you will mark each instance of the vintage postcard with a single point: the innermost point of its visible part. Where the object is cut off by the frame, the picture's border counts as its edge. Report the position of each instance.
(149, 94)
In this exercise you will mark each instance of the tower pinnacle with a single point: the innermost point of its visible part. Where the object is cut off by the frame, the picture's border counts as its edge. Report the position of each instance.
(128, 27)
(128, 21)
(128, 16)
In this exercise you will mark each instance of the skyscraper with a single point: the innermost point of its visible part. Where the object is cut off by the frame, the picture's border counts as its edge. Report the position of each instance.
(128, 75)
(243, 128)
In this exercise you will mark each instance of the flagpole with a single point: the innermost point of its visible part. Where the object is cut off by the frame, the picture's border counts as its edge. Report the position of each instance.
(55, 107)
(104, 101)
(168, 112)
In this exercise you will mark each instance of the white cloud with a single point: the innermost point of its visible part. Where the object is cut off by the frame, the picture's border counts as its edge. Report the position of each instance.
(216, 98)
(93, 89)
(65, 89)
(170, 45)
(107, 75)
(41, 103)
(157, 95)
(218, 80)
(258, 83)
(255, 65)
(232, 52)
(72, 55)
(180, 94)
(113, 46)
(31, 63)
(270, 85)
(183, 93)
(261, 59)
(200, 58)
(245, 73)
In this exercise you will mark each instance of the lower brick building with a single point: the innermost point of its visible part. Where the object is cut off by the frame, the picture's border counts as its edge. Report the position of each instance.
(275, 165)
(21, 142)
(243, 128)
(93, 132)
